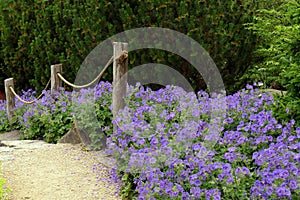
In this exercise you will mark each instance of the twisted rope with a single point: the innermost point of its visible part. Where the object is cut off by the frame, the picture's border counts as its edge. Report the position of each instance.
(28, 102)
(89, 84)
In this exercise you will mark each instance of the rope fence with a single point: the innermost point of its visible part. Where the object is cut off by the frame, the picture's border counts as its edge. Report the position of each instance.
(28, 102)
(120, 68)
(89, 84)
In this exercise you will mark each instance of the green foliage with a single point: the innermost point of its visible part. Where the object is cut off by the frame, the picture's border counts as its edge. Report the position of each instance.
(94, 118)
(4, 124)
(4, 191)
(277, 56)
(216, 25)
(277, 59)
(52, 116)
(36, 34)
(287, 108)
(48, 122)
(127, 190)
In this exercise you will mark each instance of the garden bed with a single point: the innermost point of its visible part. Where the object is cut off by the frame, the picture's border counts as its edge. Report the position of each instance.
(171, 144)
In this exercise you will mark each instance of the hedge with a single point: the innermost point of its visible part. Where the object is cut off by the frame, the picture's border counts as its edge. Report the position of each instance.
(36, 34)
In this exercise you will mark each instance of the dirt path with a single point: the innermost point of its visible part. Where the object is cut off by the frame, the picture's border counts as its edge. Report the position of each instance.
(56, 172)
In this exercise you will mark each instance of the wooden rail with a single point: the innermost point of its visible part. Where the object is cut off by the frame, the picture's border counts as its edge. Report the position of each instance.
(120, 68)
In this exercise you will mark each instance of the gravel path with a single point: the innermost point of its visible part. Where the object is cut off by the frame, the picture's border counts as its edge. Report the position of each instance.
(39, 171)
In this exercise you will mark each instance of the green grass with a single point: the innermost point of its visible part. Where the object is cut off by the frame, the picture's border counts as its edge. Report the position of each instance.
(4, 191)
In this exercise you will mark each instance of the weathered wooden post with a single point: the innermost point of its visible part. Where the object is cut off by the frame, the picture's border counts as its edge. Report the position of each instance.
(55, 80)
(10, 98)
(120, 68)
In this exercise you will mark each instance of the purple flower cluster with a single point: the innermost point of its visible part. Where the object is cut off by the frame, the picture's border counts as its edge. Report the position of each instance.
(171, 144)
(52, 116)
(48, 118)
(278, 165)
(163, 141)
(4, 124)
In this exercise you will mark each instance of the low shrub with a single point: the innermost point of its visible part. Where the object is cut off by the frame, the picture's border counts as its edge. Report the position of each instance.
(92, 110)
(4, 124)
(277, 58)
(52, 116)
(171, 144)
(48, 119)
(164, 151)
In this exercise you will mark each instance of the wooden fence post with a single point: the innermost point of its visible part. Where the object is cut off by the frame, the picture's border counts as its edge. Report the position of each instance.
(10, 98)
(55, 80)
(120, 68)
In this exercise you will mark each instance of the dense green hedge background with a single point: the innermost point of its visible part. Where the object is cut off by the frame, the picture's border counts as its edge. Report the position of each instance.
(36, 34)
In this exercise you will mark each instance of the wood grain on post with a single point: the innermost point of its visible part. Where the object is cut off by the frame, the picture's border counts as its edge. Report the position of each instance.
(55, 80)
(10, 98)
(120, 68)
